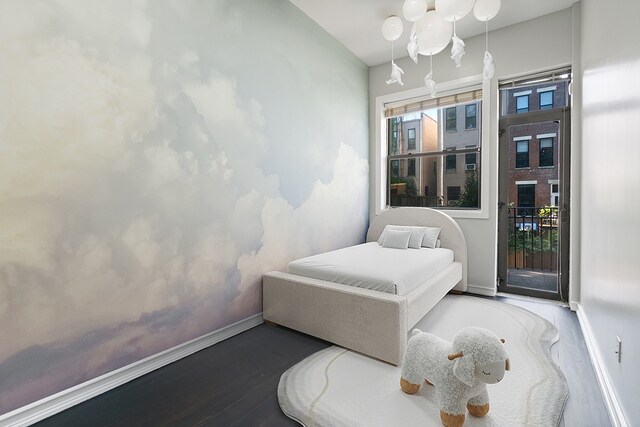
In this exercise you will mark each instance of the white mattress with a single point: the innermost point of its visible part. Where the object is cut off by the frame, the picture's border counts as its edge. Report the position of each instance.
(370, 266)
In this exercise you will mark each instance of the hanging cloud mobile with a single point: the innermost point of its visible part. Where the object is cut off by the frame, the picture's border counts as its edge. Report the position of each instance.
(396, 75)
(392, 30)
(457, 50)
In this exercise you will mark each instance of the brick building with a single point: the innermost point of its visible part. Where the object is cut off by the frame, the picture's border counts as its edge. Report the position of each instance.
(534, 148)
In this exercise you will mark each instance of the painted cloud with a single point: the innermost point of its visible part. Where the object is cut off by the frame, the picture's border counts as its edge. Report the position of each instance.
(151, 173)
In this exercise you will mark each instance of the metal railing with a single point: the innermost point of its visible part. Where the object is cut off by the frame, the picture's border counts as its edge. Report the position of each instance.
(533, 238)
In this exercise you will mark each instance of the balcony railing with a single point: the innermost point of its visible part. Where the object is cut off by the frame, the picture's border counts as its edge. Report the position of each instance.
(533, 238)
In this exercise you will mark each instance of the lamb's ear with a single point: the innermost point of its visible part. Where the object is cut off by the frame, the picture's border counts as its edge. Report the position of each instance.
(507, 365)
(464, 369)
(454, 355)
(502, 340)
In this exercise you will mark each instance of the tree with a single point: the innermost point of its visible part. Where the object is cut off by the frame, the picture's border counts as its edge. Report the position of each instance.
(469, 196)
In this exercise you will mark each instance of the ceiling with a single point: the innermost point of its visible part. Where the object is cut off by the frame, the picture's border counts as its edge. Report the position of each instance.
(357, 23)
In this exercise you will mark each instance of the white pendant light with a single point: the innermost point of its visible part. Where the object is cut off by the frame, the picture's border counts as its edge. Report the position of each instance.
(392, 28)
(412, 10)
(485, 10)
(433, 33)
(452, 10)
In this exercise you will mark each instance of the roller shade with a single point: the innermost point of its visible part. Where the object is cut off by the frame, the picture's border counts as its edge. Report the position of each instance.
(427, 103)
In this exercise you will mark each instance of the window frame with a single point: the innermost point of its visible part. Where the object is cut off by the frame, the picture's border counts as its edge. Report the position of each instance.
(520, 142)
(453, 128)
(540, 141)
(467, 117)
(410, 139)
(546, 106)
(523, 110)
(488, 143)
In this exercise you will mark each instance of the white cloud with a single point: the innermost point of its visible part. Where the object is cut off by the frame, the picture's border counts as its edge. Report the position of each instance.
(326, 220)
(129, 186)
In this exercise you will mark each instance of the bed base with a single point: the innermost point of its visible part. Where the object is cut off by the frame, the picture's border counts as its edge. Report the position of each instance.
(369, 322)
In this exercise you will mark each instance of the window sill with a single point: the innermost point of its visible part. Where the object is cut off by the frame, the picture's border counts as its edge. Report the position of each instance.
(546, 167)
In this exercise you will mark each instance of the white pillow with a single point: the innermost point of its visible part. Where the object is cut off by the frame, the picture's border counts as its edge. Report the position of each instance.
(396, 239)
(430, 238)
(417, 234)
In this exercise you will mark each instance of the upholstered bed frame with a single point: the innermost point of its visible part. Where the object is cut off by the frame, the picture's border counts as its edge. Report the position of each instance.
(366, 321)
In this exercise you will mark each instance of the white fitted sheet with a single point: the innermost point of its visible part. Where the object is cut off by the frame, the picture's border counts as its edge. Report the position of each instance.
(370, 266)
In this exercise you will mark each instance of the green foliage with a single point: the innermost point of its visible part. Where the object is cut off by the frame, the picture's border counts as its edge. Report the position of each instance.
(410, 188)
(546, 211)
(469, 197)
(530, 242)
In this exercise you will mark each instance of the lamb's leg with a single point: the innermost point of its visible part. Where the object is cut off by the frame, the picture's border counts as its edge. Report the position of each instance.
(408, 387)
(451, 420)
(451, 409)
(478, 406)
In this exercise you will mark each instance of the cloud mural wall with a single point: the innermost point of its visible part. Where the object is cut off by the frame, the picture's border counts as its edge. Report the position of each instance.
(156, 157)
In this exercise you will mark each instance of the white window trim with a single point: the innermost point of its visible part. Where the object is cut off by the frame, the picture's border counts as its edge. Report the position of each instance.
(380, 150)
(522, 138)
(546, 135)
(523, 93)
(546, 89)
(535, 181)
(553, 181)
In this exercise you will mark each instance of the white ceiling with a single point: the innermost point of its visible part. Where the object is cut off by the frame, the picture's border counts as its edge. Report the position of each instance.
(357, 23)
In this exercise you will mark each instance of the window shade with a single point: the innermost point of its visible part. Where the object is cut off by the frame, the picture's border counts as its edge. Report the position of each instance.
(420, 104)
(561, 74)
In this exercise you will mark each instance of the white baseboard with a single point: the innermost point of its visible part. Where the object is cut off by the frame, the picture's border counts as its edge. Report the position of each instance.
(611, 401)
(65, 399)
(481, 290)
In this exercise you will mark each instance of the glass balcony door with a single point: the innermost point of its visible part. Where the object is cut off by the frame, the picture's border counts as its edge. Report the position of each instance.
(533, 217)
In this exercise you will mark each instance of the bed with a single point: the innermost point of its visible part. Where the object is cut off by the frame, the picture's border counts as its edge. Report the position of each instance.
(375, 321)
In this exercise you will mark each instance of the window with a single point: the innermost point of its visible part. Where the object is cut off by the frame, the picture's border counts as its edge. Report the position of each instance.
(452, 126)
(411, 139)
(546, 99)
(546, 152)
(411, 168)
(522, 103)
(470, 159)
(395, 168)
(453, 193)
(522, 154)
(555, 194)
(421, 177)
(470, 117)
(451, 163)
(526, 199)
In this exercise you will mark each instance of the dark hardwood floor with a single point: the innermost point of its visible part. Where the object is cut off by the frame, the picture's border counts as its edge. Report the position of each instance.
(234, 383)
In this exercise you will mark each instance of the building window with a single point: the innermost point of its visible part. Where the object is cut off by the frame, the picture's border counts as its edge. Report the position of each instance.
(451, 162)
(546, 100)
(555, 194)
(395, 168)
(522, 154)
(411, 139)
(546, 152)
(470, 116)
(453, 193)
(451, 119)
(522, 103)
(422, 176)
(526, 199)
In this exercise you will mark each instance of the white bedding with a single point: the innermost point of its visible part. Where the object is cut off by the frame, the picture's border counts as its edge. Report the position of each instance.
(370, 266)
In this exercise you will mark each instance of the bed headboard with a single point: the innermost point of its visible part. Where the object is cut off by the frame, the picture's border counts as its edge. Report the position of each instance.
(451, 235)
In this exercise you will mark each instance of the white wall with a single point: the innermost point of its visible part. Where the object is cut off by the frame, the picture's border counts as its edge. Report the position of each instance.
(610, 284)
(534, 45)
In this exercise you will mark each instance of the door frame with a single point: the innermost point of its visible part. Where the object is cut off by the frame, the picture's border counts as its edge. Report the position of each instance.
(563, 116)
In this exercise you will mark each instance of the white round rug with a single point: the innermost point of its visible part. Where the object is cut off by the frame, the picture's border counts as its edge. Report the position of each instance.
(337, 387)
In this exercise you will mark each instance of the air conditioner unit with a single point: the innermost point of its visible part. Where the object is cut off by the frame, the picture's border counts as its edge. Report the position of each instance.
(470, 167)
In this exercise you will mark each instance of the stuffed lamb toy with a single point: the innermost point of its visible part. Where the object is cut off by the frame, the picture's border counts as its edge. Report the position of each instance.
(459, 370)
